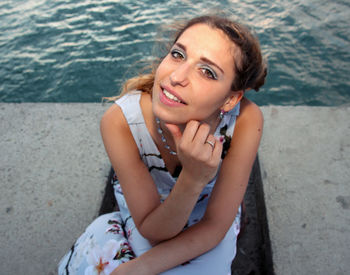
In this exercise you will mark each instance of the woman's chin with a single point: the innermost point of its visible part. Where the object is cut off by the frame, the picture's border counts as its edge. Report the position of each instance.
(168, 117)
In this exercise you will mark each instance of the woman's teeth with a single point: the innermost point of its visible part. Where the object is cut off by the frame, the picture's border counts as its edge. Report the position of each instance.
(171, 96)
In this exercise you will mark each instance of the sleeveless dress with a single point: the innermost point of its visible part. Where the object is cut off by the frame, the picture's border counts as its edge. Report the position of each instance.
(113, 238)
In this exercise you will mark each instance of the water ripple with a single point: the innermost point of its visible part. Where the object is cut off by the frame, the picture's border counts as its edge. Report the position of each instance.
(79, 51)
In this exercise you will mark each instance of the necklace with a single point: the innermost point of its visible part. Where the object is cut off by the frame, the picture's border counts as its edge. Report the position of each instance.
(160, 131)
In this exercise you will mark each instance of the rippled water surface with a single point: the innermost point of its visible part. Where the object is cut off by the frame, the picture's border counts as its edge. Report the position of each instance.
(79, 51)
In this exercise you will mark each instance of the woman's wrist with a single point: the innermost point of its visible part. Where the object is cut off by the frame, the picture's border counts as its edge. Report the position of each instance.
(141, 267)
(193, 183)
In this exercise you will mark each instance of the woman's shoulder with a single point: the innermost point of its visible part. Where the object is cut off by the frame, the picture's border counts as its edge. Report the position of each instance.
(116, 133)
(129, 102)
(127, 110)
(248, 132)
(128, 105)
(249, 113)
(113, 118)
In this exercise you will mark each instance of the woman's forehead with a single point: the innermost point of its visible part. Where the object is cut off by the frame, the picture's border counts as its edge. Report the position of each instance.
(208, 42)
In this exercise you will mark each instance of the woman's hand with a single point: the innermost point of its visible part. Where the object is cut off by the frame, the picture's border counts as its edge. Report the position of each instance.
(198, 151)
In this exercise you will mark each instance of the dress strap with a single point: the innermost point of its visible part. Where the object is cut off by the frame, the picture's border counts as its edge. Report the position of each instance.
(226, 128)
(227, 124)
(130, 105)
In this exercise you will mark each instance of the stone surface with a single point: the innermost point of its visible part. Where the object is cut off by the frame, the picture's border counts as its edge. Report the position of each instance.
(53, 171)
(305, 163)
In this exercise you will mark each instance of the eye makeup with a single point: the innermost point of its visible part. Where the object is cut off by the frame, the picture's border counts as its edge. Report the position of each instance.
(208, 72)
(175, 53)
(179, 52)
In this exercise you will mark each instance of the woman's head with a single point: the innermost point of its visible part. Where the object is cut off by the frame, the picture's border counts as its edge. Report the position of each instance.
(194, 79)
(211, 63)
(249, 67)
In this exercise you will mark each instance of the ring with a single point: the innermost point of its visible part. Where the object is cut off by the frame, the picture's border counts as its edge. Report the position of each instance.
(210, 143)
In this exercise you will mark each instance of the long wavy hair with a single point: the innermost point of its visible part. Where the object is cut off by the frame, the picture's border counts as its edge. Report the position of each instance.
(249, 67)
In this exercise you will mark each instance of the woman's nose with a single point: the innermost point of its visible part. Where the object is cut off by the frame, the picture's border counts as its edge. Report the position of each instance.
(180, 75)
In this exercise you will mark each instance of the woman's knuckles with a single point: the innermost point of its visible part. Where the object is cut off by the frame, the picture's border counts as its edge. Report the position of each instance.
(204, 129)
(184, 147)
(193, 123)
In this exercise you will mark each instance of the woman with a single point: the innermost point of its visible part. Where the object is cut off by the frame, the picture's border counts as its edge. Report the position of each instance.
(182, 174)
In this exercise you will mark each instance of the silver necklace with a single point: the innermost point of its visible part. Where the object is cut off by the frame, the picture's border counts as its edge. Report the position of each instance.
(160, 131)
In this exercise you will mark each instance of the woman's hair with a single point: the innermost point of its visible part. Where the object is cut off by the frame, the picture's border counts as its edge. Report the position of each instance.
(250, 69)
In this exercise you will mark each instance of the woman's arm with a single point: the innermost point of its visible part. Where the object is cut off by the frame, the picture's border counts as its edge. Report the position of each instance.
(233, 178)
(155, 221)
(222, 208)
(189, 244)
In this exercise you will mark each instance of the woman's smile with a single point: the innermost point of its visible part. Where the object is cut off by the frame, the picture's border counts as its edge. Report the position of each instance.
(170, 97)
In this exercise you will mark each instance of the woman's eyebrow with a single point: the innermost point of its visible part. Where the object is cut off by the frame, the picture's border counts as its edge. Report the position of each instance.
(206, 60)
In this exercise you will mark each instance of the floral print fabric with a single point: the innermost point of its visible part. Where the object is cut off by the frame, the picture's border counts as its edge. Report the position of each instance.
(100, 249)
(113, 239)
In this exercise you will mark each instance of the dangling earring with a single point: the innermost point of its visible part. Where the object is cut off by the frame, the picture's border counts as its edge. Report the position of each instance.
(221, 115)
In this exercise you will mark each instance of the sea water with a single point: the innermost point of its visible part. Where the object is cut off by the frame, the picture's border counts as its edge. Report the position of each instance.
(80, 51)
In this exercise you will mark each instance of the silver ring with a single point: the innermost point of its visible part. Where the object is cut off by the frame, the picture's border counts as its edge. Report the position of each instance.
(212, 144)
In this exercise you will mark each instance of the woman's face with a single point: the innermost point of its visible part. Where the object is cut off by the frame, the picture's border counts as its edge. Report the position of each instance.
(193, 81)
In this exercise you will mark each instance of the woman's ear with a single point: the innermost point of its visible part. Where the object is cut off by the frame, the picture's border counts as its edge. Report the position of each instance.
(232, 100)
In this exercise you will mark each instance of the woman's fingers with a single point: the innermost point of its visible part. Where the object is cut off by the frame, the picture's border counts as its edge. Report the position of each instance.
(190, 131)
(198, 151)
(217, 151)
(193, 133)
(202, 134)
(196, 141)
(175, 132)
(211, 143)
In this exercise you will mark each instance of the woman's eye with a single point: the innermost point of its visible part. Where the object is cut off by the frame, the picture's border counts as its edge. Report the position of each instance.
(209, 73)
(177, 54)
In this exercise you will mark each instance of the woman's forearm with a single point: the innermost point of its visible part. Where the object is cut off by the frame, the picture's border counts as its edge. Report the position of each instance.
(170, 217)
(189, 244)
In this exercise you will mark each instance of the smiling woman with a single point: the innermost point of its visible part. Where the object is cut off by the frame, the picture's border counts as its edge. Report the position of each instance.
(182, 141)
(198, 72)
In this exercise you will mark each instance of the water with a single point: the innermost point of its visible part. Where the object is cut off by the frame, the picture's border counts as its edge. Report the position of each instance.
(80, 51)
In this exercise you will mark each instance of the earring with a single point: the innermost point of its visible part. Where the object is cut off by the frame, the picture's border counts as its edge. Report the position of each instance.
(221, 115)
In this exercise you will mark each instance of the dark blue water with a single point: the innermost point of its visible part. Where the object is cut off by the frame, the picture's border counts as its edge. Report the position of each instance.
(80, 51)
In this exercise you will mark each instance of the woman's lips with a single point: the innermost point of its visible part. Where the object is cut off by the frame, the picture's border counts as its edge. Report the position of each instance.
(169, 97)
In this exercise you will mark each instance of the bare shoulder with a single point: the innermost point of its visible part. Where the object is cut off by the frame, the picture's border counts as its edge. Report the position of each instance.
(113, 116)
(116, 134)
(250, 115)
(113, 124)
(249, 127)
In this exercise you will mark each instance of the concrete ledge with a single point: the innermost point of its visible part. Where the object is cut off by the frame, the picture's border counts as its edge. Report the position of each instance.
(53, 170)
(305, 160)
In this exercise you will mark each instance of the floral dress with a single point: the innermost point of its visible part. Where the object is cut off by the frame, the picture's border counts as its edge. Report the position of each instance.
(113, 238)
